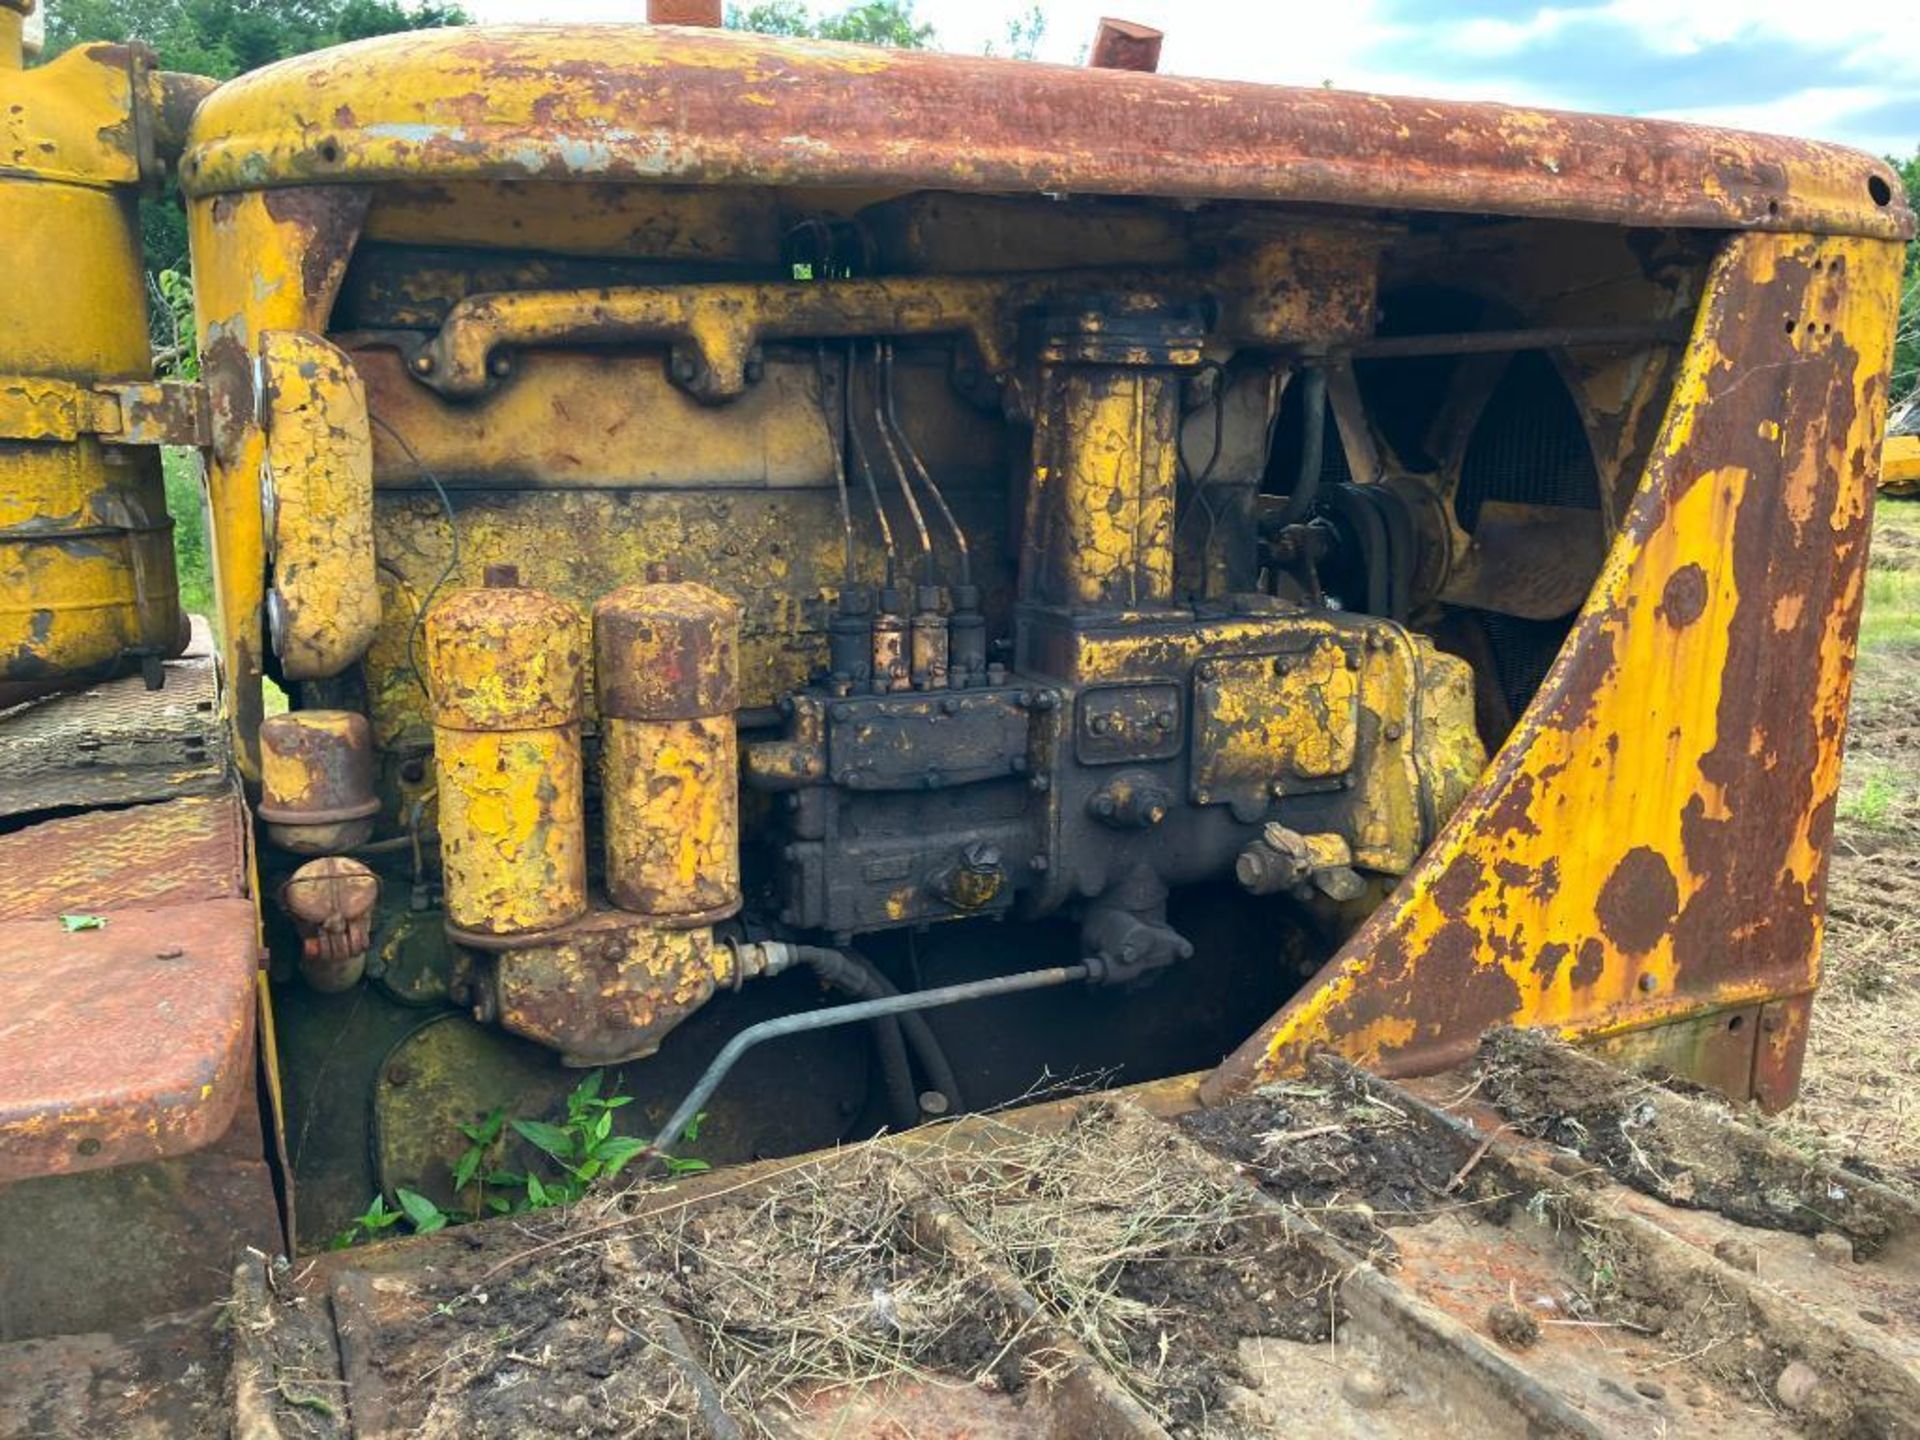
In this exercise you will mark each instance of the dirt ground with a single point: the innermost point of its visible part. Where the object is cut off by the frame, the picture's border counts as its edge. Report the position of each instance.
(1858, 1095)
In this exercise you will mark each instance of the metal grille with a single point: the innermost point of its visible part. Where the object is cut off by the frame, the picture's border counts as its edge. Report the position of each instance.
(1530, 446)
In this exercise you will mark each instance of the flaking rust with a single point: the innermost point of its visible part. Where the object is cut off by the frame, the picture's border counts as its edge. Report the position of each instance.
(1698, 704)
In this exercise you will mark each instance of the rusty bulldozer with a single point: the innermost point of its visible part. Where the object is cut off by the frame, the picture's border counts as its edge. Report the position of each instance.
(1263, 658)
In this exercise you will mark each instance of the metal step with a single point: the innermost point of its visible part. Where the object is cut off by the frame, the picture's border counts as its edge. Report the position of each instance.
(1339, 1256)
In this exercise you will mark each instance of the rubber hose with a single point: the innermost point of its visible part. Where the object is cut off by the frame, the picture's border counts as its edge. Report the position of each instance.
(1313, 444)
(857, 975)
(926, 1045)
(889, 1042)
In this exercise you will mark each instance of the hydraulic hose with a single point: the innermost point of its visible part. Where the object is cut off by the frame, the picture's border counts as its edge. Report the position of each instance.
(855, 975)
(1313, 444)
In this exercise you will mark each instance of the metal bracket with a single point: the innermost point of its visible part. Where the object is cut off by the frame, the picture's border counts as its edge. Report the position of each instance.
(149, 412)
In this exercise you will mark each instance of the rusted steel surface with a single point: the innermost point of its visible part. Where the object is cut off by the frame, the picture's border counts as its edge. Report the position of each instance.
(603, 990)
(330, 901)
(1123, 45)
(1699, 705)
(684, 12)
(324, 606)
(179, 852)
(316, 780)
(505, 667)
(86, 1254)
(666, 651)
(667, 665)
(126, 1041)
(1781, 1050)
(660, 106)
(264, 262)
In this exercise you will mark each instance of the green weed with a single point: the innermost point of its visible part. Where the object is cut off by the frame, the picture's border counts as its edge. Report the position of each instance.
(572, 1157)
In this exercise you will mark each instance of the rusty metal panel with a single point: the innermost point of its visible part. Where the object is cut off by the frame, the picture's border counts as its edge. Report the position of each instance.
(324, 606)
(124, 1041)
(1652, 842)
(94, 1251)
(117, 743)
(663, 106)
(180, 852)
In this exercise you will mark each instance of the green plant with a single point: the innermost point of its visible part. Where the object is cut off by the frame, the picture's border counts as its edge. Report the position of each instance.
(370, 1222)
(177, 351)
(584, 1149)
(1872, 804)
(575, 1155)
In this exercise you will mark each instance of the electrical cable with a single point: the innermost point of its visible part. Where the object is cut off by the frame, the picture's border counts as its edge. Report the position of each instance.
(453, 559)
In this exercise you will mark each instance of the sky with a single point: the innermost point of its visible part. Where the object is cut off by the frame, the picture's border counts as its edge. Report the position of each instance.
(1846, 70)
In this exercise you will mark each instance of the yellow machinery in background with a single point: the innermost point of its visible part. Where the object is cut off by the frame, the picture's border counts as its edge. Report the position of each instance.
(740, 526)
(1900, 466)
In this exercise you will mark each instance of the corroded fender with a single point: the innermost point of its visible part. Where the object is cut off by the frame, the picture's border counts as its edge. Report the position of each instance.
(324, 604)
(1652, 841)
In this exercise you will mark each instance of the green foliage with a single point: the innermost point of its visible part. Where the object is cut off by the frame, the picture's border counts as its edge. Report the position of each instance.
(224, 38)
(570, 1159)
(1906, 355)
(1025, 31)
(876, 22)
(178, 353)
(187, 505)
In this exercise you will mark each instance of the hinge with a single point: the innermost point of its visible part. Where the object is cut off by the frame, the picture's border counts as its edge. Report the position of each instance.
(141, 412)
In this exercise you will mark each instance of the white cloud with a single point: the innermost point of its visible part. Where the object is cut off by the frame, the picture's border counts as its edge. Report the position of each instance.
(1371, 45)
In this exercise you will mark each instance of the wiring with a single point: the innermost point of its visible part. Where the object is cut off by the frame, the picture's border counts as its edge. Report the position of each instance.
(453, 557)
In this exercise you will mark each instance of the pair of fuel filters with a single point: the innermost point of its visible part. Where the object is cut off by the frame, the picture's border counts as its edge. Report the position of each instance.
(507, 680)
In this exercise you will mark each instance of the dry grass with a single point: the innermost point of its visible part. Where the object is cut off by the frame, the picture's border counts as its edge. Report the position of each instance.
(1152, 1263)
(1858, 1094)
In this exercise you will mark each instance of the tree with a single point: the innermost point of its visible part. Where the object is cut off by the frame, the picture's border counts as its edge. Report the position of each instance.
(1906, 352)
(225, 38)
(1025, 31)
(877, 22)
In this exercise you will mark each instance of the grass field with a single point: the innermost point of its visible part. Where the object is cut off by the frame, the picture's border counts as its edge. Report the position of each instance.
(1863, 1061)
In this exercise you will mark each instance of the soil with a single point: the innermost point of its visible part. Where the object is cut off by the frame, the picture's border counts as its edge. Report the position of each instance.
(1157, 1268)
(1859, 1102)
(1356, 1166)
(1683, 1148)
(547, 1350)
